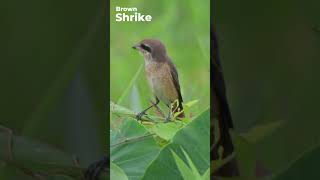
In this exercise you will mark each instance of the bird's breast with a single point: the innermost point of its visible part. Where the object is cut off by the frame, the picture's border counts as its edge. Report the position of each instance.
(161, 82)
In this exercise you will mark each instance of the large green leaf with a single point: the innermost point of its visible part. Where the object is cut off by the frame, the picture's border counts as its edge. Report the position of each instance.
(259, 132)
(24, 153)
(189, 171)
(125, 112)
(116, 173)
(246, 157)
(166, 130)
(132, 149)
(289, 93)
(245, 148)
(305, 167)
(195, 140)
(184, 169)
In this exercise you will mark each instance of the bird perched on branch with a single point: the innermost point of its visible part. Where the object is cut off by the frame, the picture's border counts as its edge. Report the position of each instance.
(164, 82)
(162, 76)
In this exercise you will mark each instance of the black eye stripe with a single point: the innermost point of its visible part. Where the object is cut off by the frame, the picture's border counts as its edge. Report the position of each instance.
(145, 47)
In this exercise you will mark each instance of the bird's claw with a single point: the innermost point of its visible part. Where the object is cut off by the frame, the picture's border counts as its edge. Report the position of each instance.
(139, 115)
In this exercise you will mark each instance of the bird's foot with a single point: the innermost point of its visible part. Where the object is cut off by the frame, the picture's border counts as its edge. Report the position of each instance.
(94, 170)
(139, 115)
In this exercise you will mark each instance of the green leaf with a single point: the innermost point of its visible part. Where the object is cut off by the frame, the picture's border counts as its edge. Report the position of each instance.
(187, 172)
(117, 109)
(195, 140)
(191, 103)
(36, 156)
(166, 130)
(116, 173)
(206, 175)
(245, 148)
(183, 168)
(221, 162)
(246, 156)
(260, 131)
(130, 150)
(306, 166)
(125, 112)
(191, 164)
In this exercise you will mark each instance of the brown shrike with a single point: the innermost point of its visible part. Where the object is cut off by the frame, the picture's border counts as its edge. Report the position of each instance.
(162, 76)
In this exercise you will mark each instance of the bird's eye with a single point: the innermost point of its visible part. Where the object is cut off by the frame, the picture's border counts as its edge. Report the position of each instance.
(146, 47)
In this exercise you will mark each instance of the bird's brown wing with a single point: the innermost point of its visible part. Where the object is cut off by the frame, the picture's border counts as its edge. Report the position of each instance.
(175, 78)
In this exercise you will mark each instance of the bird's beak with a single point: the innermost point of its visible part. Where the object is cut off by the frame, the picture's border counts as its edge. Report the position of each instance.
(136, 47)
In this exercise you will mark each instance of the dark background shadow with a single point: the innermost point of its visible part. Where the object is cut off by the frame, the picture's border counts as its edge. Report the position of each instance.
(53, 74)
(270, 52)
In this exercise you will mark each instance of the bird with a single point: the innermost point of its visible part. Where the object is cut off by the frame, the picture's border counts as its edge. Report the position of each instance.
(162, 76)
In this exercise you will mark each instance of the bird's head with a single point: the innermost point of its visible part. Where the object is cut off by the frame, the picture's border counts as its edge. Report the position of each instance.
(151, 49)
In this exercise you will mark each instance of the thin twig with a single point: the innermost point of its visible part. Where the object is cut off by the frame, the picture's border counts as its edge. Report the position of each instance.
(122, 111)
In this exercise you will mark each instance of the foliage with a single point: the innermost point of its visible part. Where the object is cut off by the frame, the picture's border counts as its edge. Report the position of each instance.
(31, 157)
(136, 150)
(191, 173)
(269, 54)
(53, 87)
(132, 148)
(117, 173)
(302, 167)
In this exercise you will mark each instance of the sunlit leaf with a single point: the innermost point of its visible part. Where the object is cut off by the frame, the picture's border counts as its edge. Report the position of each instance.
(132, 149)
(195, 140)
(166, 130)
(116, 173)
(183, 168)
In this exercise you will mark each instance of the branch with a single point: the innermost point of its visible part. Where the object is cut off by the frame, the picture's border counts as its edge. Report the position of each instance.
(122, 111)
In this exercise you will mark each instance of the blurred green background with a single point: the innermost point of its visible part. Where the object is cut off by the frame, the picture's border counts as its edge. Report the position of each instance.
(53, 78)
(184, 28)
(270, 52)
